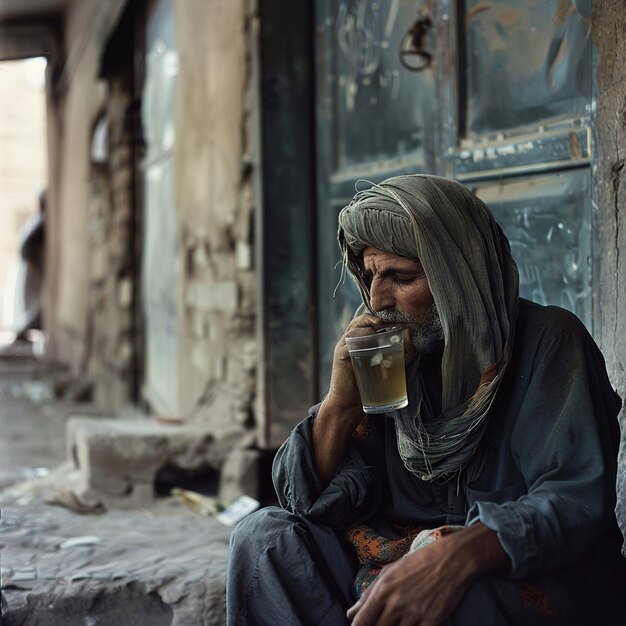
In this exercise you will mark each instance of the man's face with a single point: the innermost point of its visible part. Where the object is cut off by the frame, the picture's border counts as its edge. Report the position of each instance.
(399, 292)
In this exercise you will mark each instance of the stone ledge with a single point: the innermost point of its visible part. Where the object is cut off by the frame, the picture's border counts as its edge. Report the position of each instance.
(118, 459)
(165, 565)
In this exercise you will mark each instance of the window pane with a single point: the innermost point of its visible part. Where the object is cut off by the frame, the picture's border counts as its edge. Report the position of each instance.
(383, 110)
(548, 222)
(528, 61)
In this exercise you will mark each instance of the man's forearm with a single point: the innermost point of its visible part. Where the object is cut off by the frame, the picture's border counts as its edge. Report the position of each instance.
(332, 432)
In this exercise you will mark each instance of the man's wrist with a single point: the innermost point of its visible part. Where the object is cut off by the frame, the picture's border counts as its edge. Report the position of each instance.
(349, 414)
(480, 550)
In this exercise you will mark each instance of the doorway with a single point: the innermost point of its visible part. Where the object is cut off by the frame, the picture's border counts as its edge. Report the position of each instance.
(23, 181)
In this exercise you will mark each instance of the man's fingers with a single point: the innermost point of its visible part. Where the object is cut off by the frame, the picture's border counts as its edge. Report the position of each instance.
(367, 615)
(366, 611)
(364, 325)
(354, 609)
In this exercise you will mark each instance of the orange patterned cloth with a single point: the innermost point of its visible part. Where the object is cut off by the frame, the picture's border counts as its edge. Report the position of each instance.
(375, 550)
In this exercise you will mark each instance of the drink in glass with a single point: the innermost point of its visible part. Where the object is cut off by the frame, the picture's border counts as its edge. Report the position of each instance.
(378, 362)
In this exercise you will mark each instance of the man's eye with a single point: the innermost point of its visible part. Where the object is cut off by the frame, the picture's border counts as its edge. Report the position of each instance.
(402, 279)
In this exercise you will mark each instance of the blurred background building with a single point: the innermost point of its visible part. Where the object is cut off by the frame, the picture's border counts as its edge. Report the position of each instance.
(23, 173)
(199, 153)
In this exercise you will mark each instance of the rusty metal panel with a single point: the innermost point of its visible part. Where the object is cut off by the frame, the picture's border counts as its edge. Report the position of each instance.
(528, 62)
(563, 147)
(382, 109)
(523, 140)
(548, 222)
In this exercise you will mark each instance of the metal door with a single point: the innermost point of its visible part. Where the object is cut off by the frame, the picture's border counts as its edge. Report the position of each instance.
(521, 136)
(501, 101)
(375, 118)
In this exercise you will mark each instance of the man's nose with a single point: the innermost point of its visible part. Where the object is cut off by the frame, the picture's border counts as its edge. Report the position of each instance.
(381, 297)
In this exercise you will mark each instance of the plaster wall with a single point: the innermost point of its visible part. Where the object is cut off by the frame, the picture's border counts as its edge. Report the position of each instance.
(213, 190)
(77, 99)
(608, 27)
(217, 353)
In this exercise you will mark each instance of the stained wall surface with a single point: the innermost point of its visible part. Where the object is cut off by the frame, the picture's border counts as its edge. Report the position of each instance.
(211, 208)
(608, 26)
(213, 190)
(74, 103)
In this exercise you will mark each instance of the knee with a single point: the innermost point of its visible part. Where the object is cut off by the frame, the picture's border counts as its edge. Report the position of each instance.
(255, 530)
(481, 604)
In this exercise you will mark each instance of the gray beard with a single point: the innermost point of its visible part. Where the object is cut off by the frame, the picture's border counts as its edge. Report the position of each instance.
(426, 330)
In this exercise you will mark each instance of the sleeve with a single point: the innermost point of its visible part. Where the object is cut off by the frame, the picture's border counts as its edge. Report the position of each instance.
(564, 443)
(348, 495)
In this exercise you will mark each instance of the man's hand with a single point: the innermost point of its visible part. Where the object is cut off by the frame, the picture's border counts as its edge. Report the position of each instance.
(343, 393)
(341, 411)
(424, 588)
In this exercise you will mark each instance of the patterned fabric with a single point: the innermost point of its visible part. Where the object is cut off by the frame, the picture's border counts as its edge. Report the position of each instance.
(430, 535)
(535, 596)
(374, 550)
(363, 430)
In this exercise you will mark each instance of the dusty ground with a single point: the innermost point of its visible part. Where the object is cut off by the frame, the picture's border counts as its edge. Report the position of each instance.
(160, 565)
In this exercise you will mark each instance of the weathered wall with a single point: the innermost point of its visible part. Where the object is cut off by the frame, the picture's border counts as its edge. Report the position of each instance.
(214, 198)
(110, 349)
(78, 97)
(90, 292)
(609, 35)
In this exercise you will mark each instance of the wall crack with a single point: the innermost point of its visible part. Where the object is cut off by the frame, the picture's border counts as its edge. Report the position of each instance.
(616, 173)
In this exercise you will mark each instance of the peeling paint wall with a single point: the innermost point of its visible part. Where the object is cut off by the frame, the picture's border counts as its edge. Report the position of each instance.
(608, 28)
(110, 345)
(90, 289)
(213, 191)
(76, 98)
(609, 25)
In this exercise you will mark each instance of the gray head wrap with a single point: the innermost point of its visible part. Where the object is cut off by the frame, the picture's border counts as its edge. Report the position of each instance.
(474, 283)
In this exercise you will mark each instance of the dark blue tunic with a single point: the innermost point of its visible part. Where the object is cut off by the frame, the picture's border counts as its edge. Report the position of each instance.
(543, 479)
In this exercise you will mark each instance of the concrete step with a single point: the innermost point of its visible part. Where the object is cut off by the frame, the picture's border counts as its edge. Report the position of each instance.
(157, 566)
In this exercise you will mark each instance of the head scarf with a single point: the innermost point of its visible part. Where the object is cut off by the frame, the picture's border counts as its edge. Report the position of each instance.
(474, 283)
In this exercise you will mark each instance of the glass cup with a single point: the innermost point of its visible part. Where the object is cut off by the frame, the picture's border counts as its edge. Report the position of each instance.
(378, 363)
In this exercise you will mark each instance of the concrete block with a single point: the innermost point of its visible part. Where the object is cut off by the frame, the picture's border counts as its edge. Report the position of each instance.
(199, 324)
(200, 258)
(219, 296)
(240, 475)
(199, 356)
(124, 353)
(119, 458)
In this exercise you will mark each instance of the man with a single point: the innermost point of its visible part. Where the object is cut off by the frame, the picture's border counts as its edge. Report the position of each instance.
(32, 240)
(489, 499)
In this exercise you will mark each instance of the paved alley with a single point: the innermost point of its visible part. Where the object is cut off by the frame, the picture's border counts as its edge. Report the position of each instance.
(159, 565)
